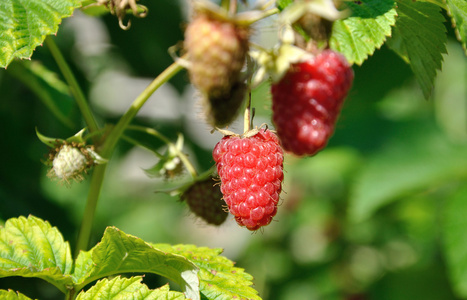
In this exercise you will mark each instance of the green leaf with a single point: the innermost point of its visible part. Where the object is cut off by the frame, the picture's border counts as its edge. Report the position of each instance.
(458, 11)
(12, 295)
(359, 35)
(419, 37)
(282, 4)
(411, 164)
(25, 24)
(120, 253)
(30, 247)
(454, 241)
(219, 279)
(127, 288)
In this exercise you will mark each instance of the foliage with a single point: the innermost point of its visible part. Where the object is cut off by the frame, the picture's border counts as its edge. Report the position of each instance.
(376, 215)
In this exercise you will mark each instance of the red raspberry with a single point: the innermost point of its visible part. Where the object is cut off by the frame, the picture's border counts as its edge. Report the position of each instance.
(307, 101)
(251, 175)
(204, 198)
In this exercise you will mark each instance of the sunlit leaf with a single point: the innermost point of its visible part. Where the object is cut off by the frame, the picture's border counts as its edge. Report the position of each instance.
(458, 11)
(359, 35)
(127, 288)
(455, 240)
(12, 295)
(120, 253)
(25, 24)
(419, 37)
(30, 247)
(219, 279)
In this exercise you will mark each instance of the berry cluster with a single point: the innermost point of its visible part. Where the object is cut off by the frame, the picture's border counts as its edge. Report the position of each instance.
(250, 170)
(308, 91)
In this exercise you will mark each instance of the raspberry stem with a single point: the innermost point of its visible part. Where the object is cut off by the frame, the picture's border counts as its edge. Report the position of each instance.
(107, 149)
(247, 118)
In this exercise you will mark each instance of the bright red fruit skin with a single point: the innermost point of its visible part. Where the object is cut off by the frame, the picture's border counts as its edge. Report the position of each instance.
(307, 101)
(251, 173)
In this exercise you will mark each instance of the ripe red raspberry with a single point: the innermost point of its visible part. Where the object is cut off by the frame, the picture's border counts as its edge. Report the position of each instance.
(204, 198)
(251, 175)
(216, 48)
(307, 101)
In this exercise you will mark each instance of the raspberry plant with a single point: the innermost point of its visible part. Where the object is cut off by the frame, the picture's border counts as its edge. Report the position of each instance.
(338, 218)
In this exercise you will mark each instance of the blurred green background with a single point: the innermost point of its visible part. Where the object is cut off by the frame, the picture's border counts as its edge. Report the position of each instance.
(363, 219)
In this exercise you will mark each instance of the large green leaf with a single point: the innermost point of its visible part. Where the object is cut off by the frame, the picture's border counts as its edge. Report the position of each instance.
(419, 37)
(12, 295)
(127, 288)
(413, 163)
(24, 24)
(455, 240)
(219, 279)
(30, 247)
(365, 30)
(119, 253)
(458, 11)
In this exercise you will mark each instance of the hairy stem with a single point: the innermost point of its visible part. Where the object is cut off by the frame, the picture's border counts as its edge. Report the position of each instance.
(107, 149)
(74, 86)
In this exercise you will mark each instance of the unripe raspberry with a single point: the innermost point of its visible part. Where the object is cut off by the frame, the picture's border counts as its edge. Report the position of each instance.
(204, 198)
(308, 100)
(250, 170)
(69, 162)
(216, 49)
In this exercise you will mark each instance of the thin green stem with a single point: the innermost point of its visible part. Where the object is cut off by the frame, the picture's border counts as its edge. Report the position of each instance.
(120, 127)
(107, 149)
(233, 7)
(162, 137)
(74, 86)
(247, 115)
(136, 143)
(90, 209)
(225, 4)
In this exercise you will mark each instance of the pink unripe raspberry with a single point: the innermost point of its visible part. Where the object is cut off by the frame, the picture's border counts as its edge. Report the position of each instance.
(251, 173)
